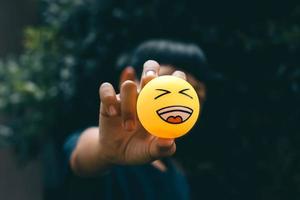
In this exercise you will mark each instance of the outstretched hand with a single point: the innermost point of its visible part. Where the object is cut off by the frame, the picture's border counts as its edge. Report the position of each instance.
(120, 138)
(123, 140)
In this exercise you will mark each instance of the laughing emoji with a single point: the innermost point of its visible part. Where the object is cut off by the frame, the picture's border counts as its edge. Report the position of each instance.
(168, 107)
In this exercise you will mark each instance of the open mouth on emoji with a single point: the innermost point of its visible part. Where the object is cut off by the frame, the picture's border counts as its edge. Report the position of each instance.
(175, 114)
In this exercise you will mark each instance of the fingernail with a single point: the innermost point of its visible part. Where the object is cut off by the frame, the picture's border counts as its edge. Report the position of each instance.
(165, 144)
(150, 73)
(112, 111)
(180, 74)
(129, 124)
(169, 142)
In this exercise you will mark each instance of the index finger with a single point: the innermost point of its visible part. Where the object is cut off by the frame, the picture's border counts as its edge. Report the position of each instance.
(179, 74)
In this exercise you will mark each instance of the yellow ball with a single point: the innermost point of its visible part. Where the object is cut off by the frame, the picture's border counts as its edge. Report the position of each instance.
(168, 107)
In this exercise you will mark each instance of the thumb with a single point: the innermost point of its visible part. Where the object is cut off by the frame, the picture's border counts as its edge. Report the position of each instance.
(162, 147)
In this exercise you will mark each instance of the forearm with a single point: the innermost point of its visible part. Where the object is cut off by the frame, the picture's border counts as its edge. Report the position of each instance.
(86, 159)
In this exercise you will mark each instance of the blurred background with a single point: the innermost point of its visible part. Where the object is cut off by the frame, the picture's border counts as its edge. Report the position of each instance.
(55, 53)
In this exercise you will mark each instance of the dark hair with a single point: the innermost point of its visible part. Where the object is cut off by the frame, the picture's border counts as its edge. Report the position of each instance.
(187, 57)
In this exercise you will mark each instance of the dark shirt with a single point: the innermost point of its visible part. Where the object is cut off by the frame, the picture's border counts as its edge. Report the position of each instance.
(127, 182)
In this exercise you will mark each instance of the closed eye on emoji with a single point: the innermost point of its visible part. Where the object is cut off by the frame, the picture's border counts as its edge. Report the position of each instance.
(183, 92)
(167, 92)
(164, 93)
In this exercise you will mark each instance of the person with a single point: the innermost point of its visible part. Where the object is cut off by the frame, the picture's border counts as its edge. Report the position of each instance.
(119, 159)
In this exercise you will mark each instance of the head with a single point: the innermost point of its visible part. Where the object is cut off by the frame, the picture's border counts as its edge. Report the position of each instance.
(171, 56)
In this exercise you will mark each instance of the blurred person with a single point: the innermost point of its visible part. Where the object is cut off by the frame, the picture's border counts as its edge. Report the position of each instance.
(119, 159)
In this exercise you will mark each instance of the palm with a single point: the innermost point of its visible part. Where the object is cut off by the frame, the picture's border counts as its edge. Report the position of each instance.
(125, 147)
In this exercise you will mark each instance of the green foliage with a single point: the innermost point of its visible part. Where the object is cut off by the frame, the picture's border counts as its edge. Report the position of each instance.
(31, 88)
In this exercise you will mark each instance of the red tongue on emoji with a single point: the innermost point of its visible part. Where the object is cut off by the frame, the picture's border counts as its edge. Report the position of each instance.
(174, 120)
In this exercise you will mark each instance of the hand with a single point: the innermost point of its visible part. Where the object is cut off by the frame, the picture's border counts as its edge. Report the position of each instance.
(122, 138)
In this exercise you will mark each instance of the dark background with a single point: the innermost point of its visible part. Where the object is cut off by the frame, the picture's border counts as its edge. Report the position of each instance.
(246, 144)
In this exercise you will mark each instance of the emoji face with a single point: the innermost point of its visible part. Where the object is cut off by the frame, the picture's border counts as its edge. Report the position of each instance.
(168, 107)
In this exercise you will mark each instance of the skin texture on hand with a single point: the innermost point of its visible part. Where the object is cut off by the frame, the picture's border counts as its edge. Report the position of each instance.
(120, 139)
